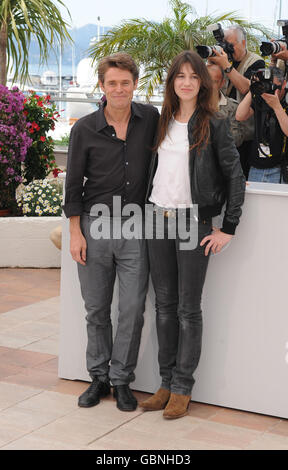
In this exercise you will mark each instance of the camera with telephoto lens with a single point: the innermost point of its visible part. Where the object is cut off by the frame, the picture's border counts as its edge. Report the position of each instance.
(262, 81)
(209, 51)
(269, 48)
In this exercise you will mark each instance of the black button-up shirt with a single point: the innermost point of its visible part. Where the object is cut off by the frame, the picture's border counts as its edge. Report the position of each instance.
(113, 167)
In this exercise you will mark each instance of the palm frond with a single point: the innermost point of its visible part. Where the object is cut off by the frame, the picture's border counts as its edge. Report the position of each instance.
(27, 19)
(155, 44)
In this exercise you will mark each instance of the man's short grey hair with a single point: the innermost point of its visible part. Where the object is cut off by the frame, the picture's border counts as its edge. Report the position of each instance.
(241, 33)
(278, 73)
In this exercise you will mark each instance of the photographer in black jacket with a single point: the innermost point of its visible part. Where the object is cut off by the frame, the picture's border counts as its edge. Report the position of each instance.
(269, 157)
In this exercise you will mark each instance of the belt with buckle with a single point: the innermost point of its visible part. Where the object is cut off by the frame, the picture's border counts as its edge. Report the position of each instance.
(165, 212)
(171, 212)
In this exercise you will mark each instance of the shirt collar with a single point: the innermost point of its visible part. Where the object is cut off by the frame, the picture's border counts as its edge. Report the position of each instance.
(101, 122)
(223, 99)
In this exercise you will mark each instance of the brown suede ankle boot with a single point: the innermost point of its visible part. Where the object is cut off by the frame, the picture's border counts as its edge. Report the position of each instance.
(177, 406)
(158, 401)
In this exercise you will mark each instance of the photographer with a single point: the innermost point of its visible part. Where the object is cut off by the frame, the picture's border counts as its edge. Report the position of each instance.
(244, 61)
(282, 55)
(238, 74)
(226, 106)
(277, 48)
(271, 126)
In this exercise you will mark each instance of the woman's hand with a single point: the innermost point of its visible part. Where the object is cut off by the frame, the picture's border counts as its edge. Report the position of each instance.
(216, 241)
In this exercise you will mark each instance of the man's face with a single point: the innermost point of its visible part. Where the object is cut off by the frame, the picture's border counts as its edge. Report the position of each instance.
(239, 46)
(118, 87)
(216, 76)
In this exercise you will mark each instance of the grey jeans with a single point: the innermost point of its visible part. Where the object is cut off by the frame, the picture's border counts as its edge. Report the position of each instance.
(106, 258)
(178, 277)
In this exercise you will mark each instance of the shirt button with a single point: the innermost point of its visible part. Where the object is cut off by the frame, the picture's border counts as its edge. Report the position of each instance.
(126, 163)
(127, 182)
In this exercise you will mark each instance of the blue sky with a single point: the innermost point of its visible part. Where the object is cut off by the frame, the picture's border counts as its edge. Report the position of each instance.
(112, 12)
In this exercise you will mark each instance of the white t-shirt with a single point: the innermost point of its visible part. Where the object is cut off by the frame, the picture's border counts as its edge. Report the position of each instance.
(171, 183)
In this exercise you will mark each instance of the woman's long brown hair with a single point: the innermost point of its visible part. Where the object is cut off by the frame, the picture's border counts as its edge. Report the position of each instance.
(205, 107)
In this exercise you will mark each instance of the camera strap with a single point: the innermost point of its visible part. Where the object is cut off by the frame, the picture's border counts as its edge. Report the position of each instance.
(260, 116)
(284, 160)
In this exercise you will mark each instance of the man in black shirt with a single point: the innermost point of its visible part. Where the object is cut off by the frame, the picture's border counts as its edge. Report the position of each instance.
(238, 74)
(271, 129)
(111, 148)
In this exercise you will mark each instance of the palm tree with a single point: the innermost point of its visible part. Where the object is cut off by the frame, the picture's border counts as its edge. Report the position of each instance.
(22, 20)
(153, 45)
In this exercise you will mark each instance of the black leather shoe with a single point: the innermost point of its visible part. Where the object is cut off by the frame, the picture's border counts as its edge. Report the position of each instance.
(94, 392)
(125, 398)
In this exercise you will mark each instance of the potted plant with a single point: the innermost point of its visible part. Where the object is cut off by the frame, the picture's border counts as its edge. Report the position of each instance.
(41, 115)
(40, 198)
(14, 142)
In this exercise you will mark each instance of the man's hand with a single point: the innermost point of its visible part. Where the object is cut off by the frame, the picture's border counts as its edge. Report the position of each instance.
(78, 247)
(272, 100)
(78, 244)
(283, 54)
(216, 241)
(220, 59)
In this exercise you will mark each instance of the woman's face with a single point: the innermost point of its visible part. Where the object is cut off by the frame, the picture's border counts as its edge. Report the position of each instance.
(187, 84)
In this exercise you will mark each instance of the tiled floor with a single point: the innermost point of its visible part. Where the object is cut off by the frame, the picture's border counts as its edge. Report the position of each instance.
(39, 411)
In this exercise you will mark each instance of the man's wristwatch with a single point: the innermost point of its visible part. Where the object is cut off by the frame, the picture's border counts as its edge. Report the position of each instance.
(228, 69)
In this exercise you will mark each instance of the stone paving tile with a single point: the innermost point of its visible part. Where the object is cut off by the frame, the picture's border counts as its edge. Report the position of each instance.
(47, 345)
(72, 387)
(202, 410)
(191, 429)
(32, 442)
(131, 436)
(33, 378)
(50, 401)
(245, 420)
(269, 441)
(49, 366)
(11, 395)
(33, 312)
(4, 350)
(20, 287)
(72, 430)
(25, 419)
(25, 358)
(9, 433)
(6, 370)
(222, 434)
(281, 428)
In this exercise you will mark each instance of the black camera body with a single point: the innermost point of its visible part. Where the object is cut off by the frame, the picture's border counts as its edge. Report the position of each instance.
(269, 48)
(262, 81)
(209, 51)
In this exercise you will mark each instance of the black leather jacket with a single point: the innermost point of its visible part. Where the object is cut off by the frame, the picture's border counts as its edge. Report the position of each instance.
(216, 175)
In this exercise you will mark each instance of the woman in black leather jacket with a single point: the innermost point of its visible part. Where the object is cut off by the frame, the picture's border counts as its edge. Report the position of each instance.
(195, 170)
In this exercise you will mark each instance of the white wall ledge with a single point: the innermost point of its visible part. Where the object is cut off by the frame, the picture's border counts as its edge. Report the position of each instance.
(270, 189)
(25, 242)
